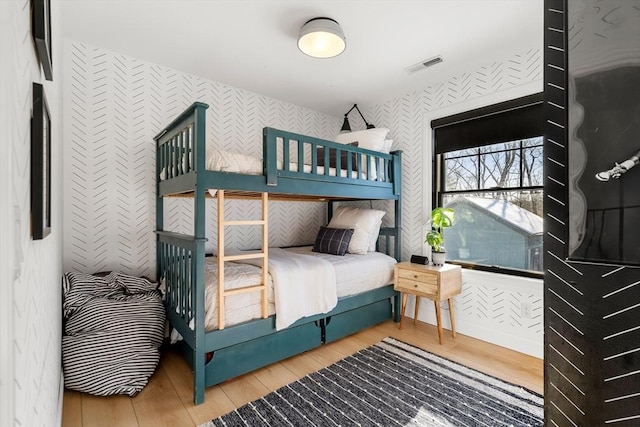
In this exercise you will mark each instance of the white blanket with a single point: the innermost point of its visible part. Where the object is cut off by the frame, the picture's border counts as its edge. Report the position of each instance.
(303, 285)
(227, 161)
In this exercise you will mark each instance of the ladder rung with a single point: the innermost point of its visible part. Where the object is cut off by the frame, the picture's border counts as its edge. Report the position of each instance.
(222, 292)
(247, 222)
(252, 255)
(243, 290)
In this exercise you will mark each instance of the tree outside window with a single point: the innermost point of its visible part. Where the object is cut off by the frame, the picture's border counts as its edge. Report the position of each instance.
(496, 191)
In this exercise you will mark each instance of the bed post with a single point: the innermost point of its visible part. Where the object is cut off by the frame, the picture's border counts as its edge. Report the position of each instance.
(397, 253)
(199, 137)
(159, 211)
(397, 190)
(270, 155)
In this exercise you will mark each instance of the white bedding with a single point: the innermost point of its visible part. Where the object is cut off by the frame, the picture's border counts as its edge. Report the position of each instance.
(228, 161)
(354, 274)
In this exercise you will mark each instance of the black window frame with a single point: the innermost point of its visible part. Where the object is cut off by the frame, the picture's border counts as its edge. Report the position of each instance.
(518, 119)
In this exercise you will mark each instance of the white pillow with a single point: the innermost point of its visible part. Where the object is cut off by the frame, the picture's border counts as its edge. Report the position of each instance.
(365, 224)
(374, 236)
(370, 139)
(386, 147)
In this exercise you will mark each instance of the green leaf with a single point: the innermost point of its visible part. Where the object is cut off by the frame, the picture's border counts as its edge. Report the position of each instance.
(442, 218)
(435, 240)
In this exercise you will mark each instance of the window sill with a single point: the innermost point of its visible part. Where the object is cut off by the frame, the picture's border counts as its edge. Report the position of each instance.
(499, 270)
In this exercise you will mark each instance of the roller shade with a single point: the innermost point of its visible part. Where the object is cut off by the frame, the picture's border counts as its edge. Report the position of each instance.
(507, 121)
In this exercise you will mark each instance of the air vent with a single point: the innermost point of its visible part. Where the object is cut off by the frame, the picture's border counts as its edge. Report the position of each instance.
(423, 64)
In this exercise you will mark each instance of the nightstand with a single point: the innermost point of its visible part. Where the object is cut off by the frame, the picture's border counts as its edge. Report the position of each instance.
(437, 283)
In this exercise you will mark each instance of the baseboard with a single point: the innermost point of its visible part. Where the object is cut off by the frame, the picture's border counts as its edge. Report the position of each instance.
(513, 342)
(60, 397)
(495, 293)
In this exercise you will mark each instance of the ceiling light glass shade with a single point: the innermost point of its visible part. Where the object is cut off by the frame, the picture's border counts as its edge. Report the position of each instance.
(321, 38)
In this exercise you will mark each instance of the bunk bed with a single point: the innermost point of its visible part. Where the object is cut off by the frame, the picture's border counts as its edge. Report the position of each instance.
(352, 173)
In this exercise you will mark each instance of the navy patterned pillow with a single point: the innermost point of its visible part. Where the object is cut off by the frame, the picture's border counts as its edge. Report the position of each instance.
(333, 241)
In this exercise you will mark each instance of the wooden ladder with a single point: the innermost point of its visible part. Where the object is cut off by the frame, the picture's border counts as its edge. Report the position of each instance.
(262, 287)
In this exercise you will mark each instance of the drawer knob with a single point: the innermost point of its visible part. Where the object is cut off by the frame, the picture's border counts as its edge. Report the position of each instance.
(415, 286)
(415, 276)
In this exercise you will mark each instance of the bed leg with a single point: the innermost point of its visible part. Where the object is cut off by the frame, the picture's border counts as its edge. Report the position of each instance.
(323, 329)
(396, 307)
(198, 376)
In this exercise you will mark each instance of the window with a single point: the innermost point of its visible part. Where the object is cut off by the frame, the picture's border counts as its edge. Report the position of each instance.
(493, 179)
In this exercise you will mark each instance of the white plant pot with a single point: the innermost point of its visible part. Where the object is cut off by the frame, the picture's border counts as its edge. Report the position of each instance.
(438, 258)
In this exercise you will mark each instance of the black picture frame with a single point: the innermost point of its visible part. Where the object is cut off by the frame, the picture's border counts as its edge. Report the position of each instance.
(41, 27)
(40, 165)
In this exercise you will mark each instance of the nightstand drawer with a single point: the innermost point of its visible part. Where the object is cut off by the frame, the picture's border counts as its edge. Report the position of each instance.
(419, 276)
(408, 285)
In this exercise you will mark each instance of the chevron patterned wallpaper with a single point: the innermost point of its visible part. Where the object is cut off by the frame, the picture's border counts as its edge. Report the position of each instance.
(488, 308)
(30, 376)
(404, 117)
(115, 105)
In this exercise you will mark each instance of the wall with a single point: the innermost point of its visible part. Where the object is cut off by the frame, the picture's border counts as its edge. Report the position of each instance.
(409, 118)
(490, 308)
(30, 327)
(592, 310)
(116, 104)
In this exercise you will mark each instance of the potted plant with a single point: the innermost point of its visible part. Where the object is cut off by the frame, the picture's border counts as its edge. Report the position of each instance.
(441, 218)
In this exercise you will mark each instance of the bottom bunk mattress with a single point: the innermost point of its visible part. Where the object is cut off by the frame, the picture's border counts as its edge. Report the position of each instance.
(355, 273)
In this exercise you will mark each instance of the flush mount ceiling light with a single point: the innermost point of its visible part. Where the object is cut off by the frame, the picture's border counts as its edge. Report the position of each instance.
(321, 38)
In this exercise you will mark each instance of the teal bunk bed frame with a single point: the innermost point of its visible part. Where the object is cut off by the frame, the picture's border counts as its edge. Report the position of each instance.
(221, 354)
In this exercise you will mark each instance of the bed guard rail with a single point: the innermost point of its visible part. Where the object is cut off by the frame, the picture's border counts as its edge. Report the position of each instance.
(178, 274)
(181, 144)
(284, 152)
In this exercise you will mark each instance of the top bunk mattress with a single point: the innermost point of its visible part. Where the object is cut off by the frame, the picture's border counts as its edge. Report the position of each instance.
(227, 161)
(233, 162)
(355, 273)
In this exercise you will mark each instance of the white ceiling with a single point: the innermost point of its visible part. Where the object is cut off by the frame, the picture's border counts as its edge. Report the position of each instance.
(251, 44)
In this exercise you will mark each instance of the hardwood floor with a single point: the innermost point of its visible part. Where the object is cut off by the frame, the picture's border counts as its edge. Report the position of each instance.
(167, 399)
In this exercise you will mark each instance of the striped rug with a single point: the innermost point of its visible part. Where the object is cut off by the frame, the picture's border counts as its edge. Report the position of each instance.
(392, 384)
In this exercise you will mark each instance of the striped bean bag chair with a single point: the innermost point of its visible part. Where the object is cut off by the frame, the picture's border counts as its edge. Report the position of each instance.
(114, 326)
